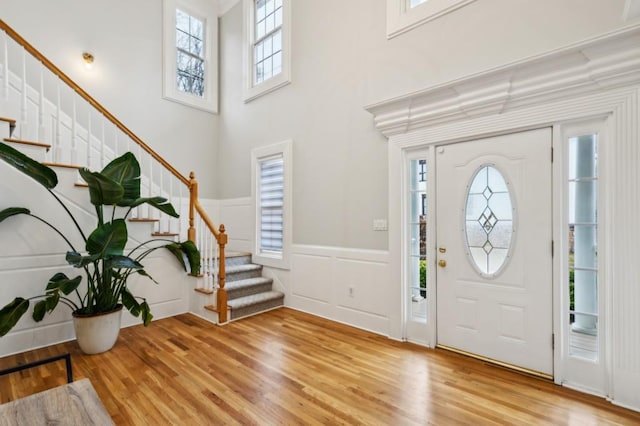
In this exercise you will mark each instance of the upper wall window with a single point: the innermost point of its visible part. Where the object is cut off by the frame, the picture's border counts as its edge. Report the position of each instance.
(190, 44)
(267, 35)
(404, 15)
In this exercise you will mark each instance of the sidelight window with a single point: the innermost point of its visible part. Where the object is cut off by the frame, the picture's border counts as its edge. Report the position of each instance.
(583, 245)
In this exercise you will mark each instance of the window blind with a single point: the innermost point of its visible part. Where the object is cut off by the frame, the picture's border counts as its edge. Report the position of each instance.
(271, 203)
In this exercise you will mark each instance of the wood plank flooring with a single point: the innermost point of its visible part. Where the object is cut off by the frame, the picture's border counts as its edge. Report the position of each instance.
(286, 367)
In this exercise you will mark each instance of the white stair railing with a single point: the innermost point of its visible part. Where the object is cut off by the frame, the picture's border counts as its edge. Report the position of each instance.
(54, 110)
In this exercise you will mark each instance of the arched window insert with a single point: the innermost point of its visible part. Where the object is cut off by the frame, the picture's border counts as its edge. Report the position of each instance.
(489, 221)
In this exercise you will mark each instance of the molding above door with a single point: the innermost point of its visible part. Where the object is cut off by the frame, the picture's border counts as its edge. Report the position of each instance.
(592, 66)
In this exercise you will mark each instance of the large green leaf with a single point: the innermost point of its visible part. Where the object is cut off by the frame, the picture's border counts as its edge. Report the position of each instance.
(60, 282)
(159, 203)
(108, 239)
(79, 261)
(126, 171)
(130, 302)
(188, 250)
(125, 262)
(42, 174)
(39, 310)
(145, 310)
(102, 189)
(52, 301)
(12, 211)
(11, 314)
(145, 274)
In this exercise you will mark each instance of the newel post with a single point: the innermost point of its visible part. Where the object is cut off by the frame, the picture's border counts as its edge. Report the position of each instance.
(193, 196)
(221, 301)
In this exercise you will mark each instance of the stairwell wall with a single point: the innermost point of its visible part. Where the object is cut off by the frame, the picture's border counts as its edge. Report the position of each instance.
(126, 39)
(342, 61)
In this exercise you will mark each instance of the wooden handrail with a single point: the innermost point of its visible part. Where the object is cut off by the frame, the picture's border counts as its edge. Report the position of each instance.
(47, 63)
(191, 182)
(221, 238)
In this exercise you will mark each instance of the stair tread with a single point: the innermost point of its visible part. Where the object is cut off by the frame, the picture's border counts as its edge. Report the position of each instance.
(248, 267)
(66, 166)
(234, 285)
(254, 299)
(11, 121)
(25, 142)
(143, 219)
(164, 234)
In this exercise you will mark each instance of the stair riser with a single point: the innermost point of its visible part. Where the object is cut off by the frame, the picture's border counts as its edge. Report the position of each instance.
(238, 260)
(35, 152)
(249, 310)
(248, 291)
(237, 276)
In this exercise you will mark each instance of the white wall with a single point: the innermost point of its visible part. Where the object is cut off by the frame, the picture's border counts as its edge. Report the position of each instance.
(126, 39)
(343, 61)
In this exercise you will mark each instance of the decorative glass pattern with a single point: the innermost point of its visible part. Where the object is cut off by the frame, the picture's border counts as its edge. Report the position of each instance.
(488, 220)
(190, 55)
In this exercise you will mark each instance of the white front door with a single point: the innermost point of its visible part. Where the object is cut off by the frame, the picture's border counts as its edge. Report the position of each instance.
(494, 230)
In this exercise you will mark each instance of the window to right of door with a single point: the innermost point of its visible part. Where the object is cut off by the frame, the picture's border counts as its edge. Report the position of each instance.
(582, 201)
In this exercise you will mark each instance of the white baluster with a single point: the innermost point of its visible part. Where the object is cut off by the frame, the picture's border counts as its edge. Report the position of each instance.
(102, 159)
(116, 152)
(181, 210)
(74, 132)
(57, 155)
(24, 126)
(89, 139)
(152, 212)
(170, 227)
(41, 106)
(5, 69)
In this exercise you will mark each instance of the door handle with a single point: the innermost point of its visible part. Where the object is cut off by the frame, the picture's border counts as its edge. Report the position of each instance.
(442, 263)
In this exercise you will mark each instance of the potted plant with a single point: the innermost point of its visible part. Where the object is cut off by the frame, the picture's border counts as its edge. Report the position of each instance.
(106, 262)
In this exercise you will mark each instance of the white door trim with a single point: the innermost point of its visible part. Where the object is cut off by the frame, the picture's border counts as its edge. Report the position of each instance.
(609, 67)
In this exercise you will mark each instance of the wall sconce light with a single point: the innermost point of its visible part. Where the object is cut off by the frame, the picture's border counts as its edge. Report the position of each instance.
(88, 60)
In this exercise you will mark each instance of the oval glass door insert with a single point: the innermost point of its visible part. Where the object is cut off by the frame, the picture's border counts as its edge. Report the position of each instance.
(489, 220)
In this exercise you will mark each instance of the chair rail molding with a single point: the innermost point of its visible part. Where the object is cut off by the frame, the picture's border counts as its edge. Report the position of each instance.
(591, 66)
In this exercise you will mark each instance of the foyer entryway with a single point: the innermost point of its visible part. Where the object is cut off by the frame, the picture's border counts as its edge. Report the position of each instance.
(494, 249)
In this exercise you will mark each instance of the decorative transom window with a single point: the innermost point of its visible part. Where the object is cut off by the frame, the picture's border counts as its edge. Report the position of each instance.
(488, 221)
(190, 53)
(267, 46)
(404, 15)
(190, 44)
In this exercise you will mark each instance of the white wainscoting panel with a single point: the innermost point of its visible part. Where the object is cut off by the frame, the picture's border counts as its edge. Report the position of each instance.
(345, 285)
(237, 216)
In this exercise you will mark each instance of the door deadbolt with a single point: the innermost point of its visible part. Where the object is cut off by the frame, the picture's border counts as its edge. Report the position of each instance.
(442, 249)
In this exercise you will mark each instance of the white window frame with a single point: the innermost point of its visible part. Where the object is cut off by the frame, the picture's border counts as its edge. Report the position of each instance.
(402, 18)
(574, 371)
(268, 258)
(207, 12)
(250, 89)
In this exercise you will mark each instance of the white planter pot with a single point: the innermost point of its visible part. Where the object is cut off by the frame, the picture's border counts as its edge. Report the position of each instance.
(97, 333)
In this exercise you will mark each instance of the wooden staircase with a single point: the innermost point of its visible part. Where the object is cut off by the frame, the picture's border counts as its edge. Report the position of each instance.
(36, 150)
(68, 130)
(248, 292)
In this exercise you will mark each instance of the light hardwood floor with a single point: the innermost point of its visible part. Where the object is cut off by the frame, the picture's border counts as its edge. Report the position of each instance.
(286, 367)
